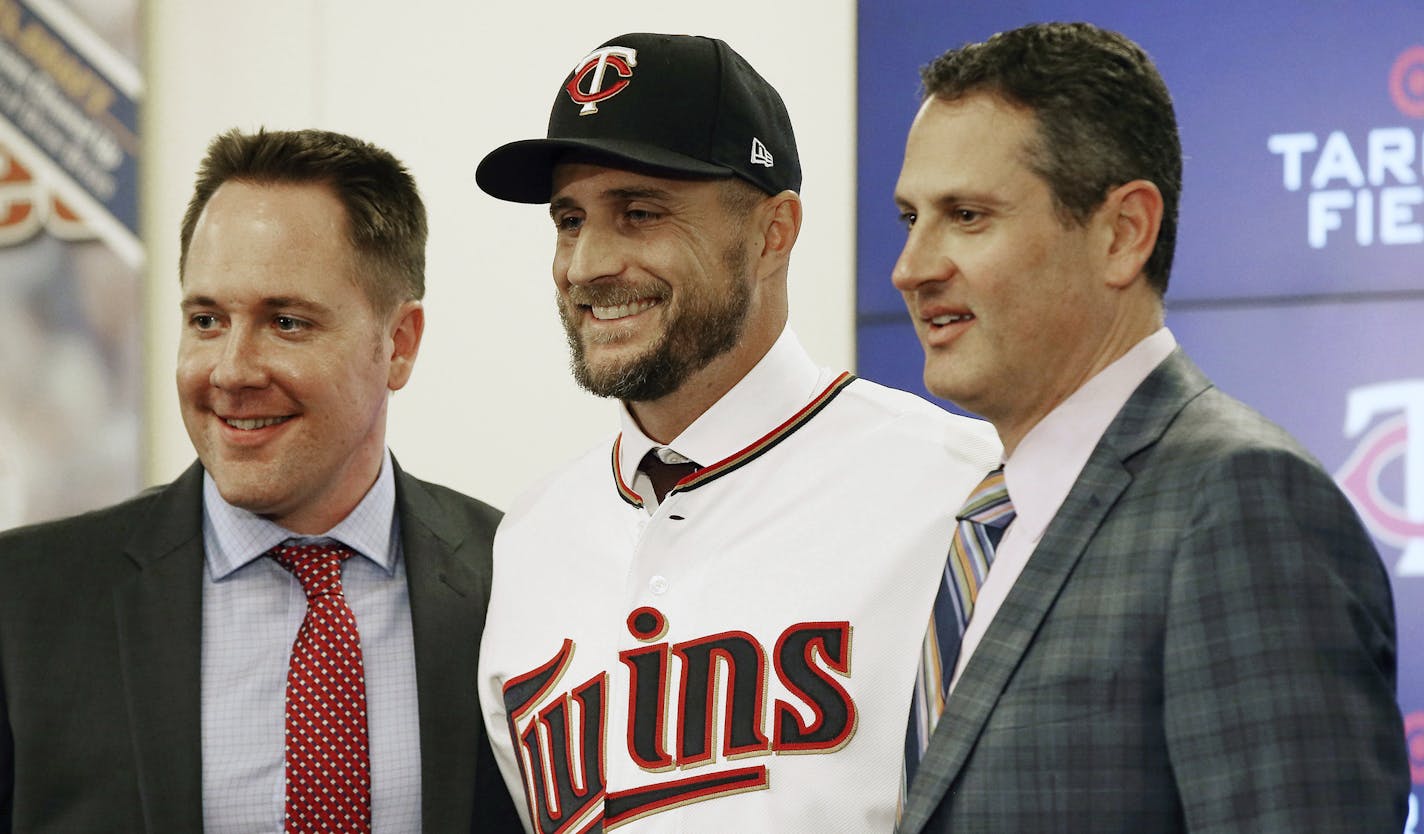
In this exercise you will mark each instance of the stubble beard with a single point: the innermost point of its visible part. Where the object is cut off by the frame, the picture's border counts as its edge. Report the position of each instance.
(706, 325)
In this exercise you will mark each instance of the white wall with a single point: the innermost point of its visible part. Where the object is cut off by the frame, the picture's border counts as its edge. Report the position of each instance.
(440, 83)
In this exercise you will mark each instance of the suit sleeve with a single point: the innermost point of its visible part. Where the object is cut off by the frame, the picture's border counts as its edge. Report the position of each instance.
(494, 808)
(7, 764)
(1279, 659)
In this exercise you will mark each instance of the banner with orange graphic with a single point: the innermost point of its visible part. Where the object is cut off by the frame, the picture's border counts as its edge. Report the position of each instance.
(71, 314)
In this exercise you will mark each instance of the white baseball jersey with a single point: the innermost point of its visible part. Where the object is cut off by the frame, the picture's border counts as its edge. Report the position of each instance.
(739, 659)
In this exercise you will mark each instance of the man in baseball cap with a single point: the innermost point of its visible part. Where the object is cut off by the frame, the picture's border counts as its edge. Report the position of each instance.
(682, 603)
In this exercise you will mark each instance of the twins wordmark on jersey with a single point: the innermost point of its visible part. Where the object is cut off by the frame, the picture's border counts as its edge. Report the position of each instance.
(559, 735)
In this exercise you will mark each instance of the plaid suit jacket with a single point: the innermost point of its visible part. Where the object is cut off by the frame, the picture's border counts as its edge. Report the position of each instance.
(1203, 640)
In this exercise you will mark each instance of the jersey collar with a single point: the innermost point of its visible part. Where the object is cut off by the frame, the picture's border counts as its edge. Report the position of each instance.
(780, 394)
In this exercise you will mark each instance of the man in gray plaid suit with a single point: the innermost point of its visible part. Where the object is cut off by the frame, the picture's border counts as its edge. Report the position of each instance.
(1184, 627)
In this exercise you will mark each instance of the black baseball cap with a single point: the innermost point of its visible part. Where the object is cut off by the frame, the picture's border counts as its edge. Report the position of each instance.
(669, 105)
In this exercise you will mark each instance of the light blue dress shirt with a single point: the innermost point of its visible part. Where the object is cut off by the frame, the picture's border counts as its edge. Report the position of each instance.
(252, 609)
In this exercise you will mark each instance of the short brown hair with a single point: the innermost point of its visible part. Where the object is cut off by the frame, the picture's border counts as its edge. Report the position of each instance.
(739, 197)
(1103, 112)
(386, 222)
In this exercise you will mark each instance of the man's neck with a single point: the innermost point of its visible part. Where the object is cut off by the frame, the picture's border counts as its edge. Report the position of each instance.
(663, 419)
(1124, 334)
(1012, 432)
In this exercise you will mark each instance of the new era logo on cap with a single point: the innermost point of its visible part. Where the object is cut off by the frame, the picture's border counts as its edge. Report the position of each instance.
(760, 155)
(669, 105)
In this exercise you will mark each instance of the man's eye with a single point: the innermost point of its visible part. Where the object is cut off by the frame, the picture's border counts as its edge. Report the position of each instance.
(288, 324)
(967, 216)
(907, 219)
(568, 223)
(641, 215)
(203, 321)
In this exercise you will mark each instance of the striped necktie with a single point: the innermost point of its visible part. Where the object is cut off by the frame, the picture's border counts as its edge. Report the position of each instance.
(982, 521)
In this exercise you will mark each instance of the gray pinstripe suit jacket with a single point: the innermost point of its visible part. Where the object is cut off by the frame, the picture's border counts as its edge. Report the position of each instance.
(100, 644)
(1203, 640)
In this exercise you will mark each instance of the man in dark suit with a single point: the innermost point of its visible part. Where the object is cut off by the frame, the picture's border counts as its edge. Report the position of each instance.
(173, 663)
(1184, 626)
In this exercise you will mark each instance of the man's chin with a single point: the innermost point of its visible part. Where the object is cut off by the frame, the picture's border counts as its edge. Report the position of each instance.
(946, 386)
(613, 361)
(605, 381)
(635, 377)
(245, 485)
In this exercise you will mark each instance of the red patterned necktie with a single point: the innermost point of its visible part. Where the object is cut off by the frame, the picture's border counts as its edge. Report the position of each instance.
(328, 758)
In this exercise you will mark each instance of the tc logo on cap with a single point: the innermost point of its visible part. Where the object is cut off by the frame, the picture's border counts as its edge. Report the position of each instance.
(595, 64)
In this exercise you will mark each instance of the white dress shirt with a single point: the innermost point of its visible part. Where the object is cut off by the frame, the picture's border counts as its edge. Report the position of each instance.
(1045, 465)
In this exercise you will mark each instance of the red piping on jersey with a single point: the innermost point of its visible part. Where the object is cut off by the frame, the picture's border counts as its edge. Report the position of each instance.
(737, 460)
(624, 491)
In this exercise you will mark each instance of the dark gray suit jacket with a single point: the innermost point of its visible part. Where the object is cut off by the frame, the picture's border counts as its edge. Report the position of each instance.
(100, 642)
(1203, 640)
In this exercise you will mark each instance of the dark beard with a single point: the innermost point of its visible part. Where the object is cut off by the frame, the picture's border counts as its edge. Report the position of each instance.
(707, 326)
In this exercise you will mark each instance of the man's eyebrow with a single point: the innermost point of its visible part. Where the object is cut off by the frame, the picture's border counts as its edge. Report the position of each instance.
(952, 198)
(284, 302)
(560, 204)
(194, 302)
(638, 193)
(564, 203)
(277, 302)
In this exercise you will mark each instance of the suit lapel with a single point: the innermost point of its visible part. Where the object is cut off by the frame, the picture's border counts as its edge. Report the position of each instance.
(1139, 424)
(159, 620)
(1009, 635)
(447, 611)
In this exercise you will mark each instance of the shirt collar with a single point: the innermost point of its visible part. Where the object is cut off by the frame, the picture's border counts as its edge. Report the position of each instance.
(232, 536)
(775, 388)
(1047, 462)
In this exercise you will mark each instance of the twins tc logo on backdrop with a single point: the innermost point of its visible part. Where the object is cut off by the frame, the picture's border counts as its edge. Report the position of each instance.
(1399, 437)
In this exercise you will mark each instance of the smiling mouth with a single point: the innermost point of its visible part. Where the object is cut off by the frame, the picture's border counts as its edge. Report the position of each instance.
(951, 318)
(618, 311)
(254, 423)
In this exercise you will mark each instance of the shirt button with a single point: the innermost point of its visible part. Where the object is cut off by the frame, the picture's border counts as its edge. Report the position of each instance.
(658, 585)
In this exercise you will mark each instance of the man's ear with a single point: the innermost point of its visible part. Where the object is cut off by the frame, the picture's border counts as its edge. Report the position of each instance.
(780, 223)
(1133, 213)
(406, 326)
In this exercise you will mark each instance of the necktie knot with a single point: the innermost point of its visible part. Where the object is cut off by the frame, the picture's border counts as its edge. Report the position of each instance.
(317, 565)
(664, 476)
(989, 505)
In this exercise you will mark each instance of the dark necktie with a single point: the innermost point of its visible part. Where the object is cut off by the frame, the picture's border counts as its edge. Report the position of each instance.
(328, 757)
(664, 475)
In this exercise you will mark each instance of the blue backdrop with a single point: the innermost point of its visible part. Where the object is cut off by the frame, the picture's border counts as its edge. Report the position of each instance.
(1297, 283)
